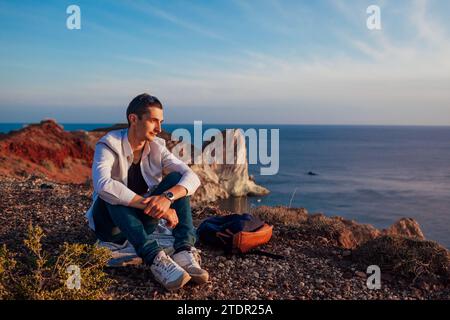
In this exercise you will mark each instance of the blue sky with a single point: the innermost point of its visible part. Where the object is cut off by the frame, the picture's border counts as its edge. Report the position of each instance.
(234, 61)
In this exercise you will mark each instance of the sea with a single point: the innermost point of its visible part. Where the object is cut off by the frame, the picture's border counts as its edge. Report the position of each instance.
(371, 174)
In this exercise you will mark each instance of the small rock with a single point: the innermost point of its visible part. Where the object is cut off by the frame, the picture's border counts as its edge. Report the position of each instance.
(424, 286)
(322, 240)
(229, 262)
(347, 275)
(361, 274)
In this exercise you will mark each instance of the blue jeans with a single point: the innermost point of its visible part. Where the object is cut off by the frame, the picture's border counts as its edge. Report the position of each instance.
(117, 223)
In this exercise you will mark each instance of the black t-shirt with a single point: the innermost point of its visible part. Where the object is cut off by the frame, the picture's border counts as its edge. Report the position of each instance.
(136, 181)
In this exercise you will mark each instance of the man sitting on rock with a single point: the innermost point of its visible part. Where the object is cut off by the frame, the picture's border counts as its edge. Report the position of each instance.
(131, 195)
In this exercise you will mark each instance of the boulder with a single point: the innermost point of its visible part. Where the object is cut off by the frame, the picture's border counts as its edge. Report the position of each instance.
(407, 227)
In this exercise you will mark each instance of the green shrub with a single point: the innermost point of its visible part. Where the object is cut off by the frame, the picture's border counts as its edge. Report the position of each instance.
(37, 275)
(7, 266)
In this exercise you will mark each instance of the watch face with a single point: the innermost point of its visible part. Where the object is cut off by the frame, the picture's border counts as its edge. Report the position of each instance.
(169, 194)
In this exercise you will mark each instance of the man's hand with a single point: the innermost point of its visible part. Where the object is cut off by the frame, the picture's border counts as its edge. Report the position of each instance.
(157, 206)
(171, 218)
(170, 215)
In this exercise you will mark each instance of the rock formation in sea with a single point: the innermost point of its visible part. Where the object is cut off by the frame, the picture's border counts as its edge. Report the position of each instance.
(221, 180)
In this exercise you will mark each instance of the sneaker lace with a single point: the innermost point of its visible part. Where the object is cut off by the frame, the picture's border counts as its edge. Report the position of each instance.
(193, 256)
(196, 253)
(167, 265)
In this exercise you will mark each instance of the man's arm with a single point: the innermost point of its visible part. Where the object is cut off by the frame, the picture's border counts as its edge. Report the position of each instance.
(110, 190)
(116, 193)
(137, 202)
(189, 179)
(188, 184)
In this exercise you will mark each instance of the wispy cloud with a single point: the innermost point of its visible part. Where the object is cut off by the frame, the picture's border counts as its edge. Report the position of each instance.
(180, 22)
(260, 13)
(428, 29)
(139, 60)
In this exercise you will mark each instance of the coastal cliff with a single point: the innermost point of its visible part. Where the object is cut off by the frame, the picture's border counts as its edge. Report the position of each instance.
(47, 150)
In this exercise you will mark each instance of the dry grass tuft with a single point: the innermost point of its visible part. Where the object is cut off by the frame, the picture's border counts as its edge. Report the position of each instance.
(410, 258)
(281, 215)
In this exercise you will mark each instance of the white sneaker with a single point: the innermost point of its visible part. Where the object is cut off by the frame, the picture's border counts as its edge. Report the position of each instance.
(168, 273)
(190, 261)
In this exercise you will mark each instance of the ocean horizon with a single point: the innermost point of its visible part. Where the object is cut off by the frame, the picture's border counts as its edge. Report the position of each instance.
(373, 174)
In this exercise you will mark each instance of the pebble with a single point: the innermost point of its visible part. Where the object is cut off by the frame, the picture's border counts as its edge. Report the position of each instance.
(346, 253)
(361, 274)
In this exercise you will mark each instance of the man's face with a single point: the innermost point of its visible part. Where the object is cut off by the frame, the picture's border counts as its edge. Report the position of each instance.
(149, 125)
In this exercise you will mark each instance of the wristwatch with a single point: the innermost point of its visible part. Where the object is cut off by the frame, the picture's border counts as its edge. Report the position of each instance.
(169, 195)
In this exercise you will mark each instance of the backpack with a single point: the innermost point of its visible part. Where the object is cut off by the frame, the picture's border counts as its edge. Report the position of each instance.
(235, 233)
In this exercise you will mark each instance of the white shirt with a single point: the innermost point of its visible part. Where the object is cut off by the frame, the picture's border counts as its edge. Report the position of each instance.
(114, 156)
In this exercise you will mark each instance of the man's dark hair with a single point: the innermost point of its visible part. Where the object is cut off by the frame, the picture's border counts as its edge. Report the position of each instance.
(140, 104)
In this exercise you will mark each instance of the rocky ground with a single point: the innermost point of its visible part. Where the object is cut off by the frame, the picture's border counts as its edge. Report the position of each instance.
(315, 267)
